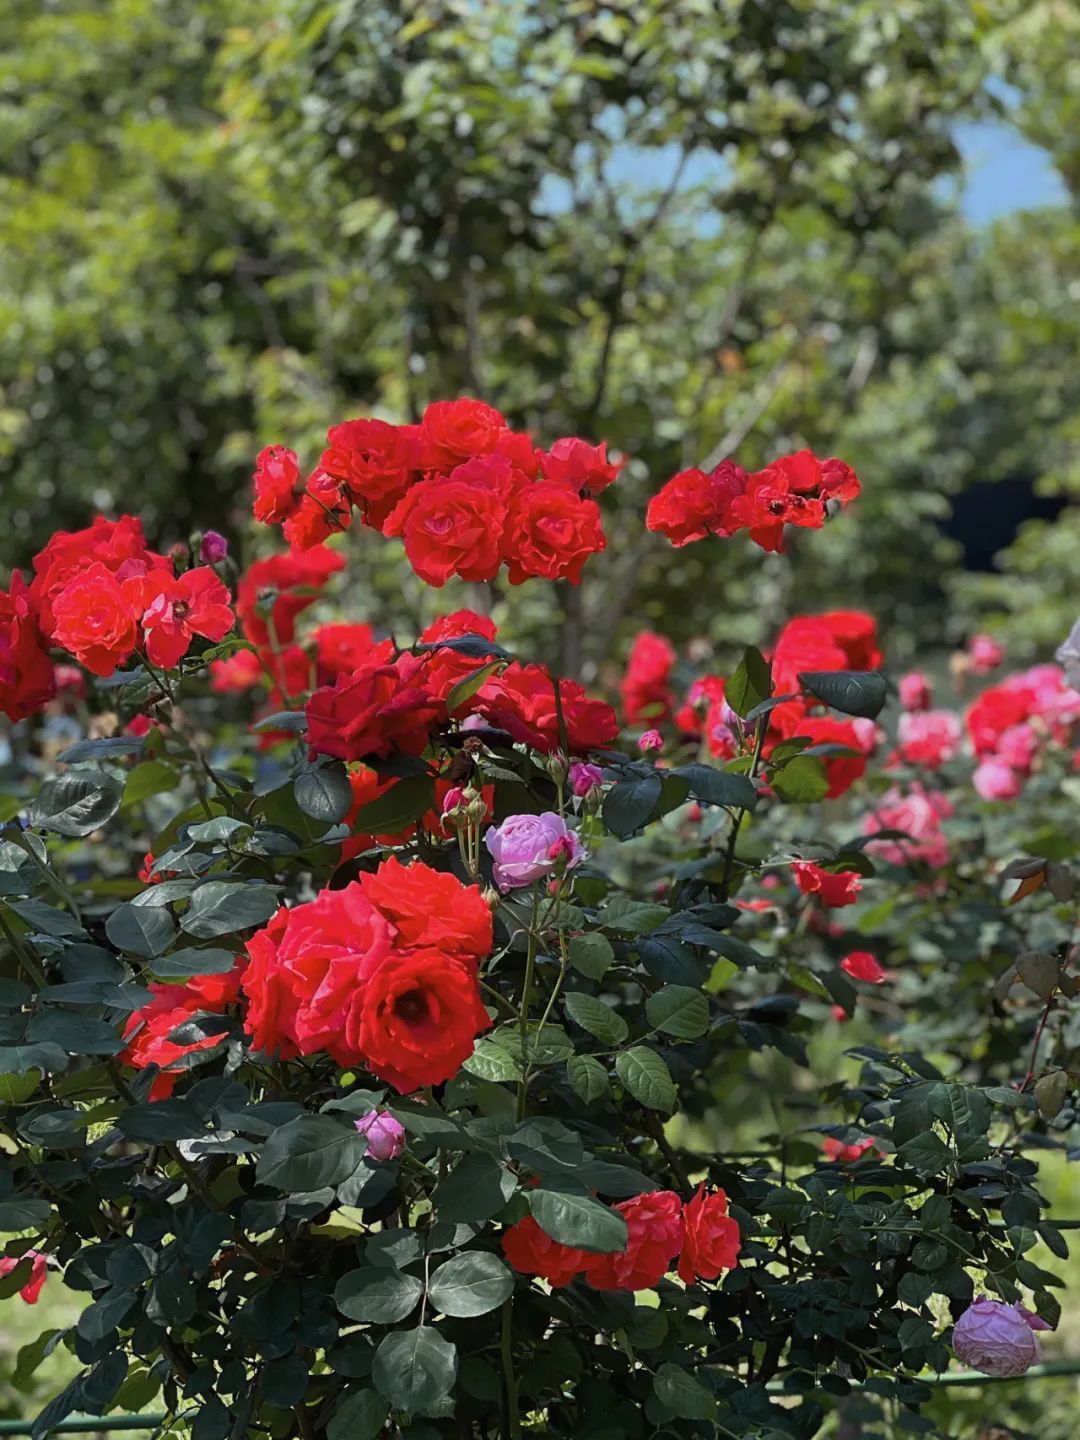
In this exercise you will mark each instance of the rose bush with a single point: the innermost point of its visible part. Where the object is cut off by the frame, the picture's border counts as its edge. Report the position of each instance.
(365, 998)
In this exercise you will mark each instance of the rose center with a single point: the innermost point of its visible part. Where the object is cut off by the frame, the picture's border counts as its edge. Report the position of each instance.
(412, 1007)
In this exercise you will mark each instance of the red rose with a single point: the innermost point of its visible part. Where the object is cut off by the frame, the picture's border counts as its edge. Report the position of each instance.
(855, 632)
(768, 504)
(579, 465)
(841, 770)
(519, 449)
(285, 585)
(430, 908)
(461, 622)
(94, 619)
(420, 1018)
(656, 1231)
(174, 611)
(372, 459)
(694, 504)
(324, 510)
(27, 677)
(39, 1269)
(712, 1238)
(550, 533)
(995, 711)
(531, 1251)
(118, 545)
(303, 980)
(450, 527)
(839, 481)
(277, 484)
(456, 430)
(861, 965)
(521, 701)
(644, 688)
(148, 1030)
(236, 674)
(379, 707)
(341, 647)
(832, 888)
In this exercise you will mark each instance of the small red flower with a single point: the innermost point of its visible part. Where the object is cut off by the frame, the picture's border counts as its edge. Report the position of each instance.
(324, 510)
(94, 620)
(656, 1231)
(550, 532)
(846, 1154)
(531, 1251)
(456, 430)
(31, 1291)
(173, 612)
(277, 484)
(580, 466)
(381, 706)
(861, 965)
(521, 700)
(712, 1240)
(450, 527)
(832, 888)
(372, 459)
(273, 592)
(645, 689)
(27, 676)
(694, 504)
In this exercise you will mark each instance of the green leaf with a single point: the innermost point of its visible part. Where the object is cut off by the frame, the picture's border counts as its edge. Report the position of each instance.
(573, 1217)
(77, 1034)
(415, 1368)
(629, 804)
(647, 1078)
(600, 1020)
(361, 1415)
(590, 954)
(309, 1153)
(751, 682)
(678, 1010)
(491, 1061)
(77, 803)
(476, 1189)
(157, 1121)
(470, 1284)
(632, 917)
(679, 1392)
(927, 1153)
(467, 688)
(404, 803)
(23, 1212)
(803, 780)
(377, 1294)
(46, 919)
(323, 792)
(221, 907)
(183, 964)
(152, 777)
(588, 1078)
(101, 749)
(142, 930)
(854, 692)
(718, 787)
(18, 1059)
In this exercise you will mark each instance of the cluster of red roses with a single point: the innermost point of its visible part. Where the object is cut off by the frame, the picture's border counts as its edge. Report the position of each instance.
(837, 640)
(659, 1227)
(464, 492)
(792, 490)
(381, 974)
(101, 594)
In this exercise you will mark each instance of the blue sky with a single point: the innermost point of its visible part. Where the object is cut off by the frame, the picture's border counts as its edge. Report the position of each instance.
(1004, 173)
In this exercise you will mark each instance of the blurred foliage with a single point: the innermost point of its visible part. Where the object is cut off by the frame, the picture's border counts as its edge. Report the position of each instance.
(224, 223)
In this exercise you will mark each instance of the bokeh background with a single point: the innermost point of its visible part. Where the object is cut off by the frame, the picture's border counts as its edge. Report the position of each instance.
(688, 227)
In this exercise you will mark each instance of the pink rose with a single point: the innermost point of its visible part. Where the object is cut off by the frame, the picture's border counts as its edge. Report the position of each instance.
(919, 814)
(994, 780)
(529, 847)
(984, 653)
(1017, 747)
(915, 691)
(651, 740)
(385, 1135)
(929, 737)
(585, 778)
(996, 1338)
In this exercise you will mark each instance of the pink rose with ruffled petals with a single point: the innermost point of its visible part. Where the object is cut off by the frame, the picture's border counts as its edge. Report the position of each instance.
(385, 1135)
(919, 814)
(996, 1338)
(929, 737)
(529, 847)
(994, 780)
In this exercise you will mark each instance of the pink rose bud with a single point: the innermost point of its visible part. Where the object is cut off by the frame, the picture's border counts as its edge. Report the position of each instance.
(650, 741)
(994, 780)
(997, 1338)
(385, 1135)
(915, 691)
(453, 800)
(585, 778)
(529, 847)
(214, 548)
(985, 653)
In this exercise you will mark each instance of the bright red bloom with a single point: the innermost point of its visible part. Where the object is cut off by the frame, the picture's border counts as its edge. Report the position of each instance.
(173, 611)
(94, 620)
(367, 786)
(518, 448)
(381, 706)
(237, 673)
(430, 907)
(147, 1031)
(846, 1154)
(531, 1251)
(31, 1291)
(521, 701)
(861, 965)
(372, 459)
(656, 1234)
(27, 677)
(324, 510)
(831, 478)
(712, 1240)
(996, 710)
(550, 532)
(461, 622)
(580, 466)
(340, 648)
(841, 769)
(769, 503)
(694, 504)
(456, 430)
(282, 586)
(832, 888)
(646, 693)
(450, 527)
(277, 484)
(118, 545)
